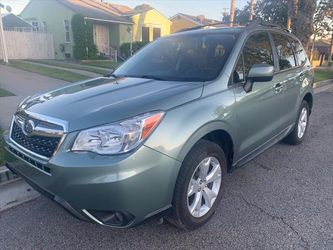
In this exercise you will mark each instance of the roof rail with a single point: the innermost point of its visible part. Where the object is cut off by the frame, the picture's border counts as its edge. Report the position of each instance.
(267, 24)
(208, 25)
(248, 24)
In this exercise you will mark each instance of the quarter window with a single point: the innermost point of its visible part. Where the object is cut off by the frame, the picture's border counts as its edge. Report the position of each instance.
(284, 51)
(299, 52)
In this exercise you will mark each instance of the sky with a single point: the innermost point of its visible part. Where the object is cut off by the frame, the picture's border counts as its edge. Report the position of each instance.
(209, 8)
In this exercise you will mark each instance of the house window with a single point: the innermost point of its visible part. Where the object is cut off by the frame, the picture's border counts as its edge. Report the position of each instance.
(157, 33)
(145, 34)
(35, 25)
(67, 36)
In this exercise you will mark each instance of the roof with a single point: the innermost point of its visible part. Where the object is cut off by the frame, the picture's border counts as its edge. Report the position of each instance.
(139, 9)
(95, 10)
(321, 43)
(122, 9)
(199, 20)
(12, 21)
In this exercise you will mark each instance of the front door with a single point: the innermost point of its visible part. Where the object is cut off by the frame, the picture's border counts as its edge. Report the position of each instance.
(101, 38)
(256, 110)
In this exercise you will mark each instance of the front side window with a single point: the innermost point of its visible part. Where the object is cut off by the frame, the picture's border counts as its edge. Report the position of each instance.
(67, 36)
(182, 57)
(284, 51)
(257, 50)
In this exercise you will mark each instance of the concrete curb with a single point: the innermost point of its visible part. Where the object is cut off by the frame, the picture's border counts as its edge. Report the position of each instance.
(322, 83)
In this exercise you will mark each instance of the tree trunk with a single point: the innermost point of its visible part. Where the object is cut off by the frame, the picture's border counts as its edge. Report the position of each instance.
(330, 54)
(312, 47)
(251, 10)
(232, 13)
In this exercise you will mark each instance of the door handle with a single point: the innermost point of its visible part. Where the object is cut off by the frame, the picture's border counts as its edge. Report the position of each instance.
(302, 76)
(278, 87)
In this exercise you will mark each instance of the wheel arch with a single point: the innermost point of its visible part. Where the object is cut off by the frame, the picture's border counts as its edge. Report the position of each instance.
(309, 99)
(217, 132)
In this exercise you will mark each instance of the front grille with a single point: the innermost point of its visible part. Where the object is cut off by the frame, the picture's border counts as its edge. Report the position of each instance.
(42, 145)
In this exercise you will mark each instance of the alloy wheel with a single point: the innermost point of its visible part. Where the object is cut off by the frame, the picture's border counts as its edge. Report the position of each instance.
(302, 122)
(204, 186)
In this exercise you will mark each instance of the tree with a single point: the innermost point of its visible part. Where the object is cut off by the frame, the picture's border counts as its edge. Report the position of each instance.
(323, 22)
(84, 46)
(302, 24)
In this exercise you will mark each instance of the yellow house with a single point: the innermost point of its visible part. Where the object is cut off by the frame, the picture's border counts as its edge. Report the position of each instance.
(148, 23)
(182, 21)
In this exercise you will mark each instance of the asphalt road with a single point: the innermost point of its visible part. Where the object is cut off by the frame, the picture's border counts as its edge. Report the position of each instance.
(281, 200)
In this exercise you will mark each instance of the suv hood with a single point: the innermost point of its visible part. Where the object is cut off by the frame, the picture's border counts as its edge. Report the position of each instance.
(104, 100)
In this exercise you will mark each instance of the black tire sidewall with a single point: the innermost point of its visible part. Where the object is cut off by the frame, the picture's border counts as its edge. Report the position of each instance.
(202, 150)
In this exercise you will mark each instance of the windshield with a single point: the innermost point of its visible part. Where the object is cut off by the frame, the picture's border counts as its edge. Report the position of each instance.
(194, 57)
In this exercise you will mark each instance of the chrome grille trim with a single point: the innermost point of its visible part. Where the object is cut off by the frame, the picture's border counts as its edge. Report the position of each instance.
(45, 127)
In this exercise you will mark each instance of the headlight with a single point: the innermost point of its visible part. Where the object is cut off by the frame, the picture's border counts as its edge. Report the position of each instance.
(117, 137)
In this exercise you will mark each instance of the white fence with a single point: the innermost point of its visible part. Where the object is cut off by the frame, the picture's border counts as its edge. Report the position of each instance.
(28, 45)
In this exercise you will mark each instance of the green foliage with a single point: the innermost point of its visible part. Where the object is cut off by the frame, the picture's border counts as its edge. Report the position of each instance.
(125, 48)
(84, 47)
(323, 18)
(274, 11)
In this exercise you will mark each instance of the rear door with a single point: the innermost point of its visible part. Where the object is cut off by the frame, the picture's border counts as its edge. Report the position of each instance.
(289, 77)
(256, 110)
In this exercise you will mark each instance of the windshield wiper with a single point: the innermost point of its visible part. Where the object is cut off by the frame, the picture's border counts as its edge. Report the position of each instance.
(150, 77)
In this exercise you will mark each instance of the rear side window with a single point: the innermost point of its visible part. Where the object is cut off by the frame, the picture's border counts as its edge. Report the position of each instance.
(299, 52)
(257, 50)
(284, 51)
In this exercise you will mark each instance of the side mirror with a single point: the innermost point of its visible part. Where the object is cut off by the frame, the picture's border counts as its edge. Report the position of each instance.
(258, 73)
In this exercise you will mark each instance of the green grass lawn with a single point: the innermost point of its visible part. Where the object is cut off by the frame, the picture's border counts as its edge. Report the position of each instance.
(323, 74)
(100, 63)
(55, 73)
(4, 92)
(2, 157)
(66, 64)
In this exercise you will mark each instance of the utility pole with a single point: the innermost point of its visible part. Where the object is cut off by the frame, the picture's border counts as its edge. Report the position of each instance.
(2, 38)
(232, 13)
(251, 10)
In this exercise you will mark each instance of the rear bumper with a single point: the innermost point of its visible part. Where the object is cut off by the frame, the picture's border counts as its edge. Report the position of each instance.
(92, 187)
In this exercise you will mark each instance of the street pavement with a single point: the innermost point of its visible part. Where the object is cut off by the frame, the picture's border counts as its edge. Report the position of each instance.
(22, 84)
(283, 199)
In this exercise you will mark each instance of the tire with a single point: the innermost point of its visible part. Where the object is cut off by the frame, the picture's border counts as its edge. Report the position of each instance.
(296, 137)
(203, 152)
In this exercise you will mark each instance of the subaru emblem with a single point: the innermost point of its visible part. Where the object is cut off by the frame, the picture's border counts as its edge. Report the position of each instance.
(28, 127)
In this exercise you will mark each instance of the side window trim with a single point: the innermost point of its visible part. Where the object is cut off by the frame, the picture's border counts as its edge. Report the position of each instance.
(275, 54)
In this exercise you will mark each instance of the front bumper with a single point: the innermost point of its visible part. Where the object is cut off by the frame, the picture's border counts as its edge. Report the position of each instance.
(91, 186)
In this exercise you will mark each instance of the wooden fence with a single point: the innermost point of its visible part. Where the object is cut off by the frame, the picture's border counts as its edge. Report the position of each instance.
(28, 45)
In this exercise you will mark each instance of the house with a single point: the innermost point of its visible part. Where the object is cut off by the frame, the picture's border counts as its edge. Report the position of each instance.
(113, 24)
(182, 21)
(148, 23)
(110, 29)
(12, 22)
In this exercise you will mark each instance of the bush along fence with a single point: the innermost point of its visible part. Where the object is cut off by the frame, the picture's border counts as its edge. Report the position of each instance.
(125, 48)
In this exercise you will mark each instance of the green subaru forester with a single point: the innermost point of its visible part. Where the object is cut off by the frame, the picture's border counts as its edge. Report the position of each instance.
(158, 135)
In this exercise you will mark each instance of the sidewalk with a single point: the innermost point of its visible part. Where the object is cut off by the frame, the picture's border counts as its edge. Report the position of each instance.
(78, 71)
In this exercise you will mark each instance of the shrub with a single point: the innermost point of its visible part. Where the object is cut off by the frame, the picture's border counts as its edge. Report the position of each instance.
(125, 51)
(84, 47)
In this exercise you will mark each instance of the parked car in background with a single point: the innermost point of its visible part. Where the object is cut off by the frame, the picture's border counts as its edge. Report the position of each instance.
(158, 135)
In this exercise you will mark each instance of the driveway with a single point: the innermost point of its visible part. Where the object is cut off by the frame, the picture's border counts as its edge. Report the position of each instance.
(22, 84)
(281, 200)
